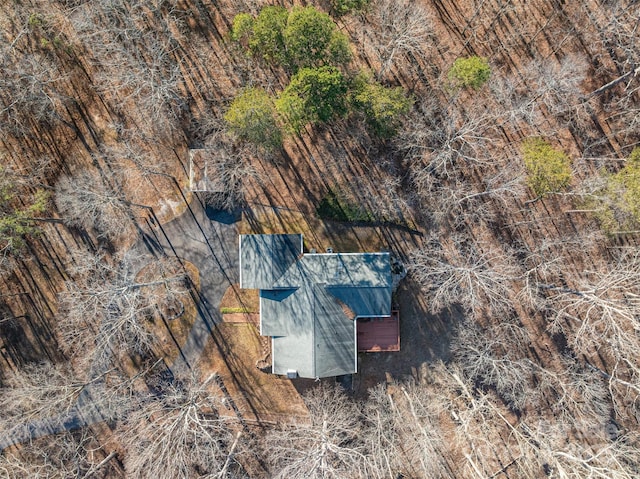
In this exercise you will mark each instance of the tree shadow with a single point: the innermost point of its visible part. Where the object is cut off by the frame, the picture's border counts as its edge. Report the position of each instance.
(424, 338)
(223, 216)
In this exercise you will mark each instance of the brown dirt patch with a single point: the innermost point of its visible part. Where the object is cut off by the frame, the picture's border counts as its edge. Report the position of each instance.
(162, 193)
(318, 234)
(260, 396)
(251, 318)
(236, 300)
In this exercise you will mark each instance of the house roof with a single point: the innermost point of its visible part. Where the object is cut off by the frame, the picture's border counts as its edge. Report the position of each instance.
(339, 270)
(308, 302)
(319, 341)
(265, 258)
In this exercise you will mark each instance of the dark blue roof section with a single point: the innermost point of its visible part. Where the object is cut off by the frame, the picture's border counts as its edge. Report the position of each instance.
(364, 302)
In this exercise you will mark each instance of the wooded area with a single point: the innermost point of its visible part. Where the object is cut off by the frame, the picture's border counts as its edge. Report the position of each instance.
(491, 145)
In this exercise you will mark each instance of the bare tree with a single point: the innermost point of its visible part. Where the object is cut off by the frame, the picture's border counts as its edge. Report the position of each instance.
(88, 200)
(48, 399)
(549, 448)
(494, 358)
(403, 432)
(382, 432)
(541, 264)
(329, 446)
(464, 274)
(577, 396)
(130, 151)
(535, 446)
(543, 87)
(69, 454)
(107, 307)
(180, 433)
(460, 202)
(229, 171)
(599, 313)
(438, 142)
(478, 419)
(148, 78)
(135, 61)
(27, 173)
(37, 392)
(504, 187)
(398, 28)
(497, 357)
(29, 92)
(618, 32)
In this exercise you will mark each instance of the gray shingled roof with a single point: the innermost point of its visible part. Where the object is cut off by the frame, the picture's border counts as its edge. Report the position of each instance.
(339, 269)
(264, 258)
(309, 308)
(321, 343)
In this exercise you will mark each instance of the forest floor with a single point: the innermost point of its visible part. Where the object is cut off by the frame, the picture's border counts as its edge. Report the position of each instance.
(424, 338)
(259, 396)
(454, 174)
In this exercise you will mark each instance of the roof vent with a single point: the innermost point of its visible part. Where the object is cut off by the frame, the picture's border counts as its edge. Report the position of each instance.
(292, 373)
(329, 250)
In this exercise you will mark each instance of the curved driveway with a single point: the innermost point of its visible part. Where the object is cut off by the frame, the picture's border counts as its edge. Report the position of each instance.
(212, 246)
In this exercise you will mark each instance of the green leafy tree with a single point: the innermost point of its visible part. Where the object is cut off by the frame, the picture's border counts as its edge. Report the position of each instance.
(251, 117)
(242, 28)
(548, 169)
(314, 95)
(616, 200)
(311, 38)
(264, 34)
(16, 217)
(302, 37)
(470, 72)
(292, 108)
(344, 7)
(339, 49)
(381, 106)
(627, 183)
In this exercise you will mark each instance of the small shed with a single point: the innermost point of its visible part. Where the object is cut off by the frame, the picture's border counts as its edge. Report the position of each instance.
(201, 176)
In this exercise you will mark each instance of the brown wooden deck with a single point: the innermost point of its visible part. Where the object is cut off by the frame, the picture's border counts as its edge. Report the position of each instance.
(379, 334)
